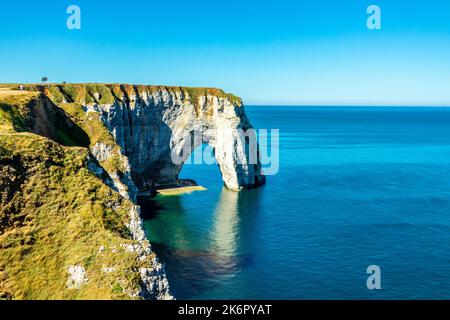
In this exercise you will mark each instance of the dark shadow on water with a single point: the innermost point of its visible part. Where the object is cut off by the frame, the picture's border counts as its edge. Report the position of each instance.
(150, 207)
(193, 272)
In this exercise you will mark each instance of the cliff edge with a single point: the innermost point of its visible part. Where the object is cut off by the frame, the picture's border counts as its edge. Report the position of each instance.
(152, 124)
(73, 158)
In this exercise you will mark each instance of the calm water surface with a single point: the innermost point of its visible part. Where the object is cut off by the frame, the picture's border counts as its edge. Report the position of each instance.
(356, 187)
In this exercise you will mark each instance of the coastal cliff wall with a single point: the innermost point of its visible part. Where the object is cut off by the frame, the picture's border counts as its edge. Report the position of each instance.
(151, 124)
(73, 159)
(67, 230)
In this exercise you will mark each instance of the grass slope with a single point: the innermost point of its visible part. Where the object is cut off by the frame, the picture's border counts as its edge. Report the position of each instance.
(55, 213)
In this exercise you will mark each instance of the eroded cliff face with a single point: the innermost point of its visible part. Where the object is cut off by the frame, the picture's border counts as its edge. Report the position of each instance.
(152, 124)
(68, 226)
(124, 135)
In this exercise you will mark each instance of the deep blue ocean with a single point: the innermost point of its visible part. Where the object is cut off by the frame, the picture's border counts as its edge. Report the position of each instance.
(357, 186)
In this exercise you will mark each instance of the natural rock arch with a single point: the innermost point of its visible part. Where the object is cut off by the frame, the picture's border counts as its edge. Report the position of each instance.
(152, 125)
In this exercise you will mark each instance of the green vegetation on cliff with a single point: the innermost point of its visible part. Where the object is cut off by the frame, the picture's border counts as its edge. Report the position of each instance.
(98, 133)
(55, 213)
(34, 112)
(13, 110)
(107, 93)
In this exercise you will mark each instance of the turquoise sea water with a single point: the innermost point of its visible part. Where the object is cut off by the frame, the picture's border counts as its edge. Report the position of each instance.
(356, 187)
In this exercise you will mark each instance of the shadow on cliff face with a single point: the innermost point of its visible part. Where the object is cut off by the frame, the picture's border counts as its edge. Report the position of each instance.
(47, 119)
(41, 116)
(221, 255)
(145, 139)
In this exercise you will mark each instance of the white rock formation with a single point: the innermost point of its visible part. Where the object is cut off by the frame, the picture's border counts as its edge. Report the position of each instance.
(151, 126)
(77, 277)
(154, 282)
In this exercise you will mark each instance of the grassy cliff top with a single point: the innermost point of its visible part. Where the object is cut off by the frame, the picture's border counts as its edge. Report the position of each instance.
(103, 93)
(54, 212)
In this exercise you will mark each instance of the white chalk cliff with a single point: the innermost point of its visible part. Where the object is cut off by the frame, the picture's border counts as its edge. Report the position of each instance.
(151, 124)
(134, 138)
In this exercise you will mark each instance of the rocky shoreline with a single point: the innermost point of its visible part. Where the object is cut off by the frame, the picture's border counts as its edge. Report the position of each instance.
(155, 285)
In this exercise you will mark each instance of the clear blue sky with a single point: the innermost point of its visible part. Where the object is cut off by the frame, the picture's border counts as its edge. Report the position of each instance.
(268, 52)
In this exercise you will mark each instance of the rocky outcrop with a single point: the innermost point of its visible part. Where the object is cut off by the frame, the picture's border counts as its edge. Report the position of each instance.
(155, 125)
(154, 282)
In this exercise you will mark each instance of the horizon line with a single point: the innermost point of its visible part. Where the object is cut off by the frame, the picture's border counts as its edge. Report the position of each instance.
(339, 104)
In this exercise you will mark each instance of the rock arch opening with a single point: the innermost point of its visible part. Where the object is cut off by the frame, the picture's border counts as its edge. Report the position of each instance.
(201, 168)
